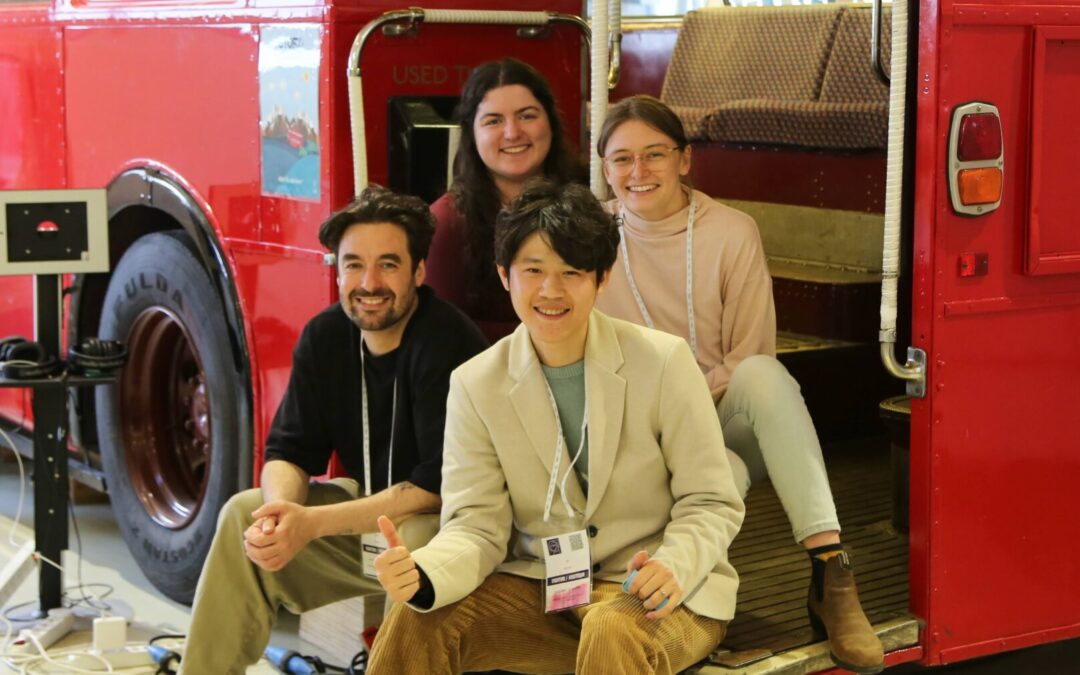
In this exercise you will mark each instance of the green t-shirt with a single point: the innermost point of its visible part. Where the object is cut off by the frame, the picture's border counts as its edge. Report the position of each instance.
(568, 387)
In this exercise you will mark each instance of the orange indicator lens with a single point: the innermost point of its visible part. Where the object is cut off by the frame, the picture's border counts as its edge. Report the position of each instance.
(979, 186)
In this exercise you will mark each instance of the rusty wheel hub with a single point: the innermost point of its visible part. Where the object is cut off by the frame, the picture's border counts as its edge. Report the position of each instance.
(165, 418)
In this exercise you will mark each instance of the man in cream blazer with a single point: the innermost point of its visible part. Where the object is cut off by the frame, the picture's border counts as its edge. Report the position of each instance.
(661, 502)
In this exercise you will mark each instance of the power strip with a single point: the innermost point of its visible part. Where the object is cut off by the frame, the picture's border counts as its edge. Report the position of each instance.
(15, 571)
(47, 631)
(118, 659)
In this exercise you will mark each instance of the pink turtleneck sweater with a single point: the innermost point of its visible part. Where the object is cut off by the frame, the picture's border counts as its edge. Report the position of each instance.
(733, 303)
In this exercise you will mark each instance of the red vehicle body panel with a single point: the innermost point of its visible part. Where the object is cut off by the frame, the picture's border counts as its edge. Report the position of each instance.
(113, 55)
(31, 147)
(994, 458)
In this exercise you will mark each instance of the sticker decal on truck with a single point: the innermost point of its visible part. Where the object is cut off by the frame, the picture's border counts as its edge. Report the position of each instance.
(289, 110)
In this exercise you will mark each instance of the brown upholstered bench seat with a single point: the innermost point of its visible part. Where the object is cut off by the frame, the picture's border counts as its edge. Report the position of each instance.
(839, 125)
(792, 75)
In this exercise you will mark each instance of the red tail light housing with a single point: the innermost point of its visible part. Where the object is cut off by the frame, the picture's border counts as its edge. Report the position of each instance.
(980, 137)
(976, 159)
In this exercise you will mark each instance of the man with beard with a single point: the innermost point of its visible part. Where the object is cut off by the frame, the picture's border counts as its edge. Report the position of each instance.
(369, 380)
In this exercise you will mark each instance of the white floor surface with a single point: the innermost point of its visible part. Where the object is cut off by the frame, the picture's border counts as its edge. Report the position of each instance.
(105, 560)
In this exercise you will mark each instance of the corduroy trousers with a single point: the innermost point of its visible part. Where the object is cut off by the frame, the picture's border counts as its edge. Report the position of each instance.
(502, 625)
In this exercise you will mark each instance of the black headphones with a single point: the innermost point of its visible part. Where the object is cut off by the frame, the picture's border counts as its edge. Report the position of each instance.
(21, 359)
(94, 356)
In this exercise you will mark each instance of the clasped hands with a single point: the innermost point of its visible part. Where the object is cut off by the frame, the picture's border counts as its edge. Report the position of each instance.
(280, 531)
(650, 580)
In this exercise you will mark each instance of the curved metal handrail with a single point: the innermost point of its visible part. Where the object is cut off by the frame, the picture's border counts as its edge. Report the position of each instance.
(415, 15)
(875, 41)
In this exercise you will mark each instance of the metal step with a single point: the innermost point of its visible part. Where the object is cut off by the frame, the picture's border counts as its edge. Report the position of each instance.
(771, 632)
(894, 634)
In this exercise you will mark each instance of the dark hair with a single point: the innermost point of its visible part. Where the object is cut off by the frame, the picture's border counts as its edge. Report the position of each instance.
(648, 109)
(476, 199)
(379, 205)
(570, 220)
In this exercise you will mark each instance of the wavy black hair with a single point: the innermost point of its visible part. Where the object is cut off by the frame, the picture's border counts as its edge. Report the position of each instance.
(378, 205)
(570, 220)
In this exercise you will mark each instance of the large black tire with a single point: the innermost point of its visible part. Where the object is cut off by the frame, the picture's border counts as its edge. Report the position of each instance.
(170, 430)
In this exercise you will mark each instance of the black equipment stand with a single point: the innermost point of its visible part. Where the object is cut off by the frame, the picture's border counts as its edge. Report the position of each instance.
(50, 409)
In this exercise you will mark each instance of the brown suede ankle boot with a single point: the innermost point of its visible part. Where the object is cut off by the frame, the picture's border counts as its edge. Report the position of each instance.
(835, 613)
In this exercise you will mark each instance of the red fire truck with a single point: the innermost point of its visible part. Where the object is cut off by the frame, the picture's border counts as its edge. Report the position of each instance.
(222, 131)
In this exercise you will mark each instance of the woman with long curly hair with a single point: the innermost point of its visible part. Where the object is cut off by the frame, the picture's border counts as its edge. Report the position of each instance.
(510, 132)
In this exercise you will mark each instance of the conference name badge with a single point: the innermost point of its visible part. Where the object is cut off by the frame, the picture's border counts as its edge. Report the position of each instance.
(568, 578)
(371, 546)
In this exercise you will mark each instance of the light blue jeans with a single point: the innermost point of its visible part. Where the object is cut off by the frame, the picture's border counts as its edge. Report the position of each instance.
(769, 433)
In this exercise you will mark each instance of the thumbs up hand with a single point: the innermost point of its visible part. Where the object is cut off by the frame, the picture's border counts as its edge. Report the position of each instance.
(395, 566)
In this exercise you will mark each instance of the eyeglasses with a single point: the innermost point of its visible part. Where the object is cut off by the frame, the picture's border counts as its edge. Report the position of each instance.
(621, 164)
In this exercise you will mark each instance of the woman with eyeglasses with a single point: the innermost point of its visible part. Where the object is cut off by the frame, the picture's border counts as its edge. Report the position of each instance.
(693, 267)
(510, 132)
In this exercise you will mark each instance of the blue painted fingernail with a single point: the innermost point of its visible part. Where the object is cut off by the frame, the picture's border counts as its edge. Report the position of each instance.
(661, 605)
(626, 584)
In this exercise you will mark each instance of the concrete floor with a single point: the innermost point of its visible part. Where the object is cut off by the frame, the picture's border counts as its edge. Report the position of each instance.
(105, 560)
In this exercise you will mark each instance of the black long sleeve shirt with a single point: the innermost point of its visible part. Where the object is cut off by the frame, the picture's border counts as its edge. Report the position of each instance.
(321, 409)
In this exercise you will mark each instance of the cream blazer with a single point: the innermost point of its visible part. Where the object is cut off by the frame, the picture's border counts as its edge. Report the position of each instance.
(659, 478)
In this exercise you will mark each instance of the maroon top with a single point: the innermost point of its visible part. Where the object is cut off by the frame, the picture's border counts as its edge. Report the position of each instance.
(489, 307)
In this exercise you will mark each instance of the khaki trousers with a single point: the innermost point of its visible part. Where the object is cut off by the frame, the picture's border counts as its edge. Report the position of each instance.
(236, 601)
(502, 625)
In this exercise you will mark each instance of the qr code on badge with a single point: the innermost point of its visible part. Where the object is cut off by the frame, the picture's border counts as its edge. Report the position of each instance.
(576, 543)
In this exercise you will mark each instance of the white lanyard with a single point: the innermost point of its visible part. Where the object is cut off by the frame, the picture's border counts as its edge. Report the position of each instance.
(558, 457)
(689, 273)
(367, 428)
